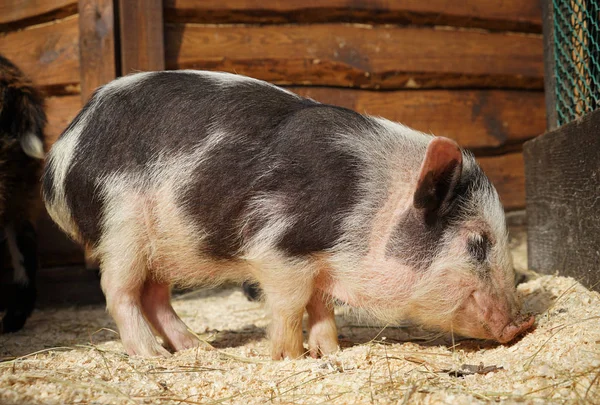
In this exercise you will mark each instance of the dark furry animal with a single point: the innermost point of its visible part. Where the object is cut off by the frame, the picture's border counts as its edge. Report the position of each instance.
(22, 120)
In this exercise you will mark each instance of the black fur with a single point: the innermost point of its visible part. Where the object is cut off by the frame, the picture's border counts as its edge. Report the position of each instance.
(19, 300)
(252, 291)
(418, 236)
(21, 113)
(275, 143)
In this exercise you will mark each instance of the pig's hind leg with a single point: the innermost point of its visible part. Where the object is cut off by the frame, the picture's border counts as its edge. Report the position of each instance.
(156, 302)
(124, 274)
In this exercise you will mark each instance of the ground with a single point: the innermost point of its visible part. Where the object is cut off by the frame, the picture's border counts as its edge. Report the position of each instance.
(72, 355)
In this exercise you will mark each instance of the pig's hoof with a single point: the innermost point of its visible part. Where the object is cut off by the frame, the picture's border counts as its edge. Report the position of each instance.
(154, 350)
(287, 354)
(318, 349)
(186, 341)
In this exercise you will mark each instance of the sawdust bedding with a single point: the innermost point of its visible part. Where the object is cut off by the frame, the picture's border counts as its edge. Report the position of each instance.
(73, 356)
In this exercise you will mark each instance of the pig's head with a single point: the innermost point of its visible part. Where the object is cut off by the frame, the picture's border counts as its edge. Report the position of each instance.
(451, 245)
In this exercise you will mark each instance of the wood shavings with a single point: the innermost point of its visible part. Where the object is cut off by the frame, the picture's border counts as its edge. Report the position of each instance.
(72, 355)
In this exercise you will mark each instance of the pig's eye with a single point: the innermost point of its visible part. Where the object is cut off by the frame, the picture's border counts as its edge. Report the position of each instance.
(478, 247)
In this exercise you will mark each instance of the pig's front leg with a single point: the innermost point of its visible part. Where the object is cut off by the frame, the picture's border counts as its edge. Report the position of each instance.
(287, 300)
(322, 332)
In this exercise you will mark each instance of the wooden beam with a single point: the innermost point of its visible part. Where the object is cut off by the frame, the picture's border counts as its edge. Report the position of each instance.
(141, 35)
(48, 54)
(360, 56)
(16, 14)
(96, 45)
(563, 201)
(476, 119)
(510, 15)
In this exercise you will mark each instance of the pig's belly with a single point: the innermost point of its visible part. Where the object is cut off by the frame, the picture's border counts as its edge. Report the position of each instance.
(153, 225)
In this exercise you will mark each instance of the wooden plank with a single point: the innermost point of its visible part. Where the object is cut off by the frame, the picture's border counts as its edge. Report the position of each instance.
(19, 13)
(141, 35)
(96, 44)
(507, 173)
(476, 119)
(514, 15)
(563, 201)
(360, 55)
(48, 53)
(60, 112)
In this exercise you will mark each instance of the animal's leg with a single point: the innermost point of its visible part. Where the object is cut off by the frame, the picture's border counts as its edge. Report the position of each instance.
(322, 331)
(22, 245)
(287, 301)
(122, 282)
(156, 302)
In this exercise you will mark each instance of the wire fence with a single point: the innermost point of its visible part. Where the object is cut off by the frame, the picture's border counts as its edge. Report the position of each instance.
(576, 57)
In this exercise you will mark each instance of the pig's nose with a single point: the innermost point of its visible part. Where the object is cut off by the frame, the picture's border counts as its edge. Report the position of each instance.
(515, 328)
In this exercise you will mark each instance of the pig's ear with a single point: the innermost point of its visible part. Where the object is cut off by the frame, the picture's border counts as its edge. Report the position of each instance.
(439, 175)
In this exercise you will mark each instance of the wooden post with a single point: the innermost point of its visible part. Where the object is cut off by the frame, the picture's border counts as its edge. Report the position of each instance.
(96, 54)
(549, 72)
(562, 172)
(96, 45)
(141, 35)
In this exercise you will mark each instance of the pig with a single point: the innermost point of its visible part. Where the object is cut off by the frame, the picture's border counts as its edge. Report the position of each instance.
(182, 178)
(22, 120)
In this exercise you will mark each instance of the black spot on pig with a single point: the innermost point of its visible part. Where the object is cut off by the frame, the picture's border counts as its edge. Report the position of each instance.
(273, 143)
(417, 240)
(252, 290)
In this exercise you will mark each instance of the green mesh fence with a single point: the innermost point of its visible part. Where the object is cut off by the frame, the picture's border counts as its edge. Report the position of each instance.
(576, 57)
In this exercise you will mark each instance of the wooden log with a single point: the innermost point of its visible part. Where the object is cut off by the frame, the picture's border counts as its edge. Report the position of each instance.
(511, 15)
(142, 35)
(360, 55)
(476, 119)
(563, 201)
(20, 13)
(48, 53)
(60, 112)
(96, 45)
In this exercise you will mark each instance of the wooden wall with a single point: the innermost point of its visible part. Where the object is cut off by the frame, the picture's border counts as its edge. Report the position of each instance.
(471, 70)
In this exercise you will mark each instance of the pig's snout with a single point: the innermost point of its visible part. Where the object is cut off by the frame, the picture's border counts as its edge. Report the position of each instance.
(515, 328)
(486, 316)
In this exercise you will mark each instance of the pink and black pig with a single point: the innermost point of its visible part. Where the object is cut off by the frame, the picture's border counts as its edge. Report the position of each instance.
(190, 177)
(22, 121)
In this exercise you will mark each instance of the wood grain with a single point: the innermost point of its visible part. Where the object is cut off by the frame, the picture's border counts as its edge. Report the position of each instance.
(507, 173)
(360, 56)
(476, 119)
(563, 201)
(60, 111)
(96, 45)
(48, 53)
(142, 38)
(516, 15)
(18, 13)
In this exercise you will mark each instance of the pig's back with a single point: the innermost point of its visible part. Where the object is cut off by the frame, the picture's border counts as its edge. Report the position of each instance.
(243, 162)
